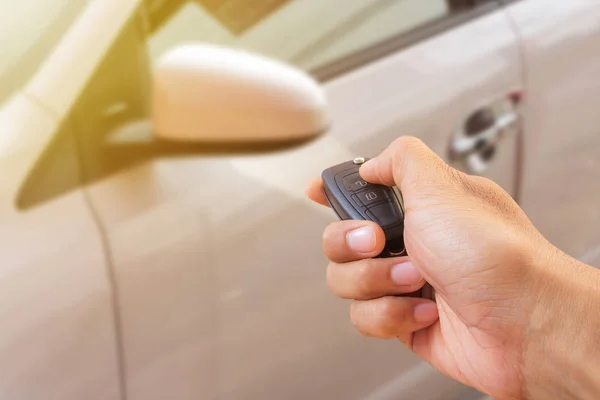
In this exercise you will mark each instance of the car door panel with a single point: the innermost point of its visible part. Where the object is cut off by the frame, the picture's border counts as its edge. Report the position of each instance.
(430, 90)
(561, 186)
(58, 328)
(405, 94)
(218, 260)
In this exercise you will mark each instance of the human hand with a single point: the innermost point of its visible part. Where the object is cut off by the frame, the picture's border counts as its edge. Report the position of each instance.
(500, 285)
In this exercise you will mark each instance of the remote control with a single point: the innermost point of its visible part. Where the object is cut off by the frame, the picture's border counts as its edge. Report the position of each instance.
(351, 197)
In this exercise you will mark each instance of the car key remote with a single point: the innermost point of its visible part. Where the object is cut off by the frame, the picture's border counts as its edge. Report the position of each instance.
(351, 197)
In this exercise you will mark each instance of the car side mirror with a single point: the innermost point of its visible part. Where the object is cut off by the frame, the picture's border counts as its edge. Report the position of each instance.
(205, 101)
(210, 94)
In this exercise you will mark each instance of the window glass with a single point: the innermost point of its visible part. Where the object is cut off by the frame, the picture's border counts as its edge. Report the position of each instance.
(29, 30)
(307, 33)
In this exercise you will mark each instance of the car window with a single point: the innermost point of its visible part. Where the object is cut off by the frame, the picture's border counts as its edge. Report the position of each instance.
(306, 33)
(115, 103)
(29, 30)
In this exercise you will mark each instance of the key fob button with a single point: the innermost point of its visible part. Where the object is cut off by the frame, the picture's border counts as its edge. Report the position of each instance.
(384, 214)
(352, 198)
(354, 182)
(370, 196)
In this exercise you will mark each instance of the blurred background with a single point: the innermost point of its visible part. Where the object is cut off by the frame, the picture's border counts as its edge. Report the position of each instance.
(154, 270)
(308, 33)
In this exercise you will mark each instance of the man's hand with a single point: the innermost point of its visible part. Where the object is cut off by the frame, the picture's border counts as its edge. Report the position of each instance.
(496, 278)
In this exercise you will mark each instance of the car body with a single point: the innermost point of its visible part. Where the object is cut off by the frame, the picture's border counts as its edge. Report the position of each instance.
(151, 275)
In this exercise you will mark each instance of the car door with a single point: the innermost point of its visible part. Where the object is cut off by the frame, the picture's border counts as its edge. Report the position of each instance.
(58, 339)
(217, 258)
(561, 186)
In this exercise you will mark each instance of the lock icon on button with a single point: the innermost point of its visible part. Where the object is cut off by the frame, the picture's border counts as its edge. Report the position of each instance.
(371, 196)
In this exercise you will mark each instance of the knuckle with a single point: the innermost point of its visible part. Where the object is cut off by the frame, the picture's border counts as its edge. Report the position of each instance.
(375, 318)
(356, 317)
(475, 185)
(405, 146)
(364, 283)
(411, 151)
(517, 251)
(387, 308)
(387, 321)
(491, 194)
(329, 232)
(360, 319)
(330, 278)
(407, 143)
(459, 178)
(353, 313)
(332, 241)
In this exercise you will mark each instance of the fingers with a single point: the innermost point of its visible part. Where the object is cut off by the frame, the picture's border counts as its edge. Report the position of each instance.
(406, 162)
(373, 278)
(353, 240)
(314, 191)
(391, 317)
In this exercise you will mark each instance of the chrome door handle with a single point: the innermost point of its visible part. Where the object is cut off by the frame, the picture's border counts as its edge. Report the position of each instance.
(466, 145)
(473, 145)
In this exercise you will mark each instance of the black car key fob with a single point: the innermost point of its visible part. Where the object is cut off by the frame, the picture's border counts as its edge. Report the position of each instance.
(351, 197)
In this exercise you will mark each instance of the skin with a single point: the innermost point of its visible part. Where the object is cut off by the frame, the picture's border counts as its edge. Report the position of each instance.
(513, 316)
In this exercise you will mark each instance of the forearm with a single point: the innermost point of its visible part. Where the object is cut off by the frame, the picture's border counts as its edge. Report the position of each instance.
(562, 357)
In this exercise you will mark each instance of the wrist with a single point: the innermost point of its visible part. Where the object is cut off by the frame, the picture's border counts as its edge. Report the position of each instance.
(561, 358)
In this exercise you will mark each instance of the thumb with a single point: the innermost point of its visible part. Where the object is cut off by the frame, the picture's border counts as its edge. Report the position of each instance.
(413, 167)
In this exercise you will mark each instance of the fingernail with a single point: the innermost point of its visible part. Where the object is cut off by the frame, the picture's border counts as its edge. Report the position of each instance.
(362, 240)
(406, 274)
(426, 312)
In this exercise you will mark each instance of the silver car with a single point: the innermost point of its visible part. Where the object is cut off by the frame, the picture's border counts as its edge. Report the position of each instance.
(177, 272)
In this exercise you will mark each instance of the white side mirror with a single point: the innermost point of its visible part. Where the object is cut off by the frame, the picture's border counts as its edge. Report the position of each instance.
(205, 93)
